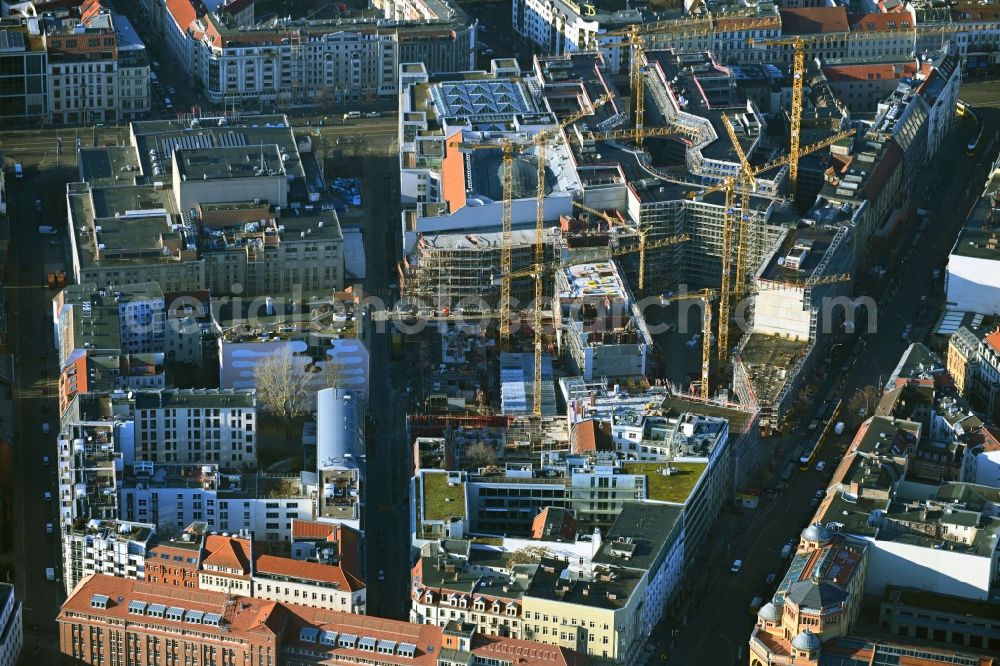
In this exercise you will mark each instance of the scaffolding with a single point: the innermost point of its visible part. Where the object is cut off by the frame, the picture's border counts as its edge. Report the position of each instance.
(463, 270)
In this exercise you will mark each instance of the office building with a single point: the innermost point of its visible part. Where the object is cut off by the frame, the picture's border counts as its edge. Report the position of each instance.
(165, 209)
(24, 80)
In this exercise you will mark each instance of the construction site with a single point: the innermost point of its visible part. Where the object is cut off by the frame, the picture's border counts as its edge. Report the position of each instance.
(584, 213)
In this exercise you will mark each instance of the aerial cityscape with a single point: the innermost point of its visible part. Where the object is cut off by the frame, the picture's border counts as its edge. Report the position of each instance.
(500, 332)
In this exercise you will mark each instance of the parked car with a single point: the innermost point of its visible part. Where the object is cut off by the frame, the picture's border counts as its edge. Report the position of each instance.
(47, 495)
(820, 466)
(737, 565)
(372, 114)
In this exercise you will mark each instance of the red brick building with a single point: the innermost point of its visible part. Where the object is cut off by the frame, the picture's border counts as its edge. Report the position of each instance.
(111, 620)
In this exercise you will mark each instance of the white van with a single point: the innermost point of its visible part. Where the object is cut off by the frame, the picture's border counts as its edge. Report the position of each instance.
(352, 115)
(45, 229)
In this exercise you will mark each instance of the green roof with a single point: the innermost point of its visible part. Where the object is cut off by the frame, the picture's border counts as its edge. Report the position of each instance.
(673, 488)
(441, 500)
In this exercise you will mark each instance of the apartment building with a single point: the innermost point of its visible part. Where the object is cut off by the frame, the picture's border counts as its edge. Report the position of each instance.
(197, 426)
(175, 494)
(111, 547)
(599, 597)
(295, 60)
(111, 620)
(11, 626)
(97, 69)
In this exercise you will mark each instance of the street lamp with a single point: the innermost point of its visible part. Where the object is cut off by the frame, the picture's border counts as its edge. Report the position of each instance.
(829, 356)
(867, 400)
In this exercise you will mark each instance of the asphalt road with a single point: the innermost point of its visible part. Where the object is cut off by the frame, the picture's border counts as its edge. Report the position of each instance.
(31, 256)
(719, 620)
(387, 527)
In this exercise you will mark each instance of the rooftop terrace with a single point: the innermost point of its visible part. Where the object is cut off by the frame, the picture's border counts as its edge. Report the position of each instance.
(442, 500)
(662, 486)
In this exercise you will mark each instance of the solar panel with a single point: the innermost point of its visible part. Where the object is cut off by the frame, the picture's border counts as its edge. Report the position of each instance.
(308, 634)
(348, 640)
(406, 649)
(212, 618)
(328, 638)
(194, 616)
(387, 646)
(367, 643)
(137, 607)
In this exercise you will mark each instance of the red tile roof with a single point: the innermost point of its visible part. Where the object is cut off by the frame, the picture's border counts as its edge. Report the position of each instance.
(278, 623)
(175, 556)
(228, 552)
(877, 22)
(324, 573)
(184, 12)
(314, 529)
(812, 20)
(243, 619)
(993, 340)
(517, 651)
(870, 72)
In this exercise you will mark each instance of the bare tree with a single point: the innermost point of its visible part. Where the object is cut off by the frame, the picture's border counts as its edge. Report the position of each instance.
(327, 375)
(480, 455)
(527, 555)
(863, 402)
(283, 386)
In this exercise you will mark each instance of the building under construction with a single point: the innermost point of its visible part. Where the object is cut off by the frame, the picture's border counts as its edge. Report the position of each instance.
(461, 272)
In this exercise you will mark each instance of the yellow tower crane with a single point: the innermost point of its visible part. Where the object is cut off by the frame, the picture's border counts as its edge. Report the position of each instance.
(507, 147)
(799, 44)
(707, 296)
(540, 141)
(633, 135)
(634, 37)
(537, 272)
(747, 182)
